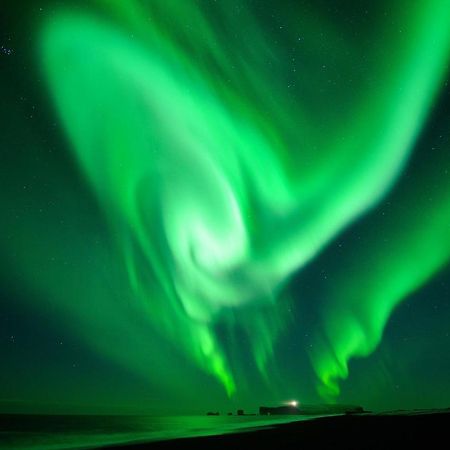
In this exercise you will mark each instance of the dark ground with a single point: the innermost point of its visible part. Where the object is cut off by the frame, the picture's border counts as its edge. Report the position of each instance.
(399, 431)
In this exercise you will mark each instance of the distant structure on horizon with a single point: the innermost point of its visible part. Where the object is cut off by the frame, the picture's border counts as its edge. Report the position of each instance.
(293, 408)
(309, 410)
(239, 412)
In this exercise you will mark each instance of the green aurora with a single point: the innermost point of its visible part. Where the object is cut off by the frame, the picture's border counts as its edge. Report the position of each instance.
(219, 172)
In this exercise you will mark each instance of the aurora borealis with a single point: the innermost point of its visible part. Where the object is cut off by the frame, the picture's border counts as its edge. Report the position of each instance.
(248, 198)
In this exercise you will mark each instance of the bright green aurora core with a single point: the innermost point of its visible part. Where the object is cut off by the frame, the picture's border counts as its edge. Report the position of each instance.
(224, 172)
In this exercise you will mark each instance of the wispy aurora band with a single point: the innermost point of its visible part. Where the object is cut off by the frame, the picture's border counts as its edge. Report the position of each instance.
(211, 209)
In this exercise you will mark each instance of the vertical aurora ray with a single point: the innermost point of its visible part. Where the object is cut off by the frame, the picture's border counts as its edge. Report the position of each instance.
(211, 197)
(388, 271)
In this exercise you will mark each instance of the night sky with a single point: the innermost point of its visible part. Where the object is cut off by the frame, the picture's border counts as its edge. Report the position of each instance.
(210, 204)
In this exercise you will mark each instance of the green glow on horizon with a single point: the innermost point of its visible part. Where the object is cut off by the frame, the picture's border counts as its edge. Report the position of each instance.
(216, 202)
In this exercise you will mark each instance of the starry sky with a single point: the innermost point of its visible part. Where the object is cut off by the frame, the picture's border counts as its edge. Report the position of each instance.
(221, 204)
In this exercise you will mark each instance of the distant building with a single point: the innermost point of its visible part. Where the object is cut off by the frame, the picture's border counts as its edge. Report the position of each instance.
(278, 410)
(310, 410)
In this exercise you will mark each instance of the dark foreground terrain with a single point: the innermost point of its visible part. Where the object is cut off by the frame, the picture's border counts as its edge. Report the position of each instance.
(384, 431)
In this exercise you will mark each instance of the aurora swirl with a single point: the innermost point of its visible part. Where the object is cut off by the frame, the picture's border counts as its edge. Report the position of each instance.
(221, 182)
